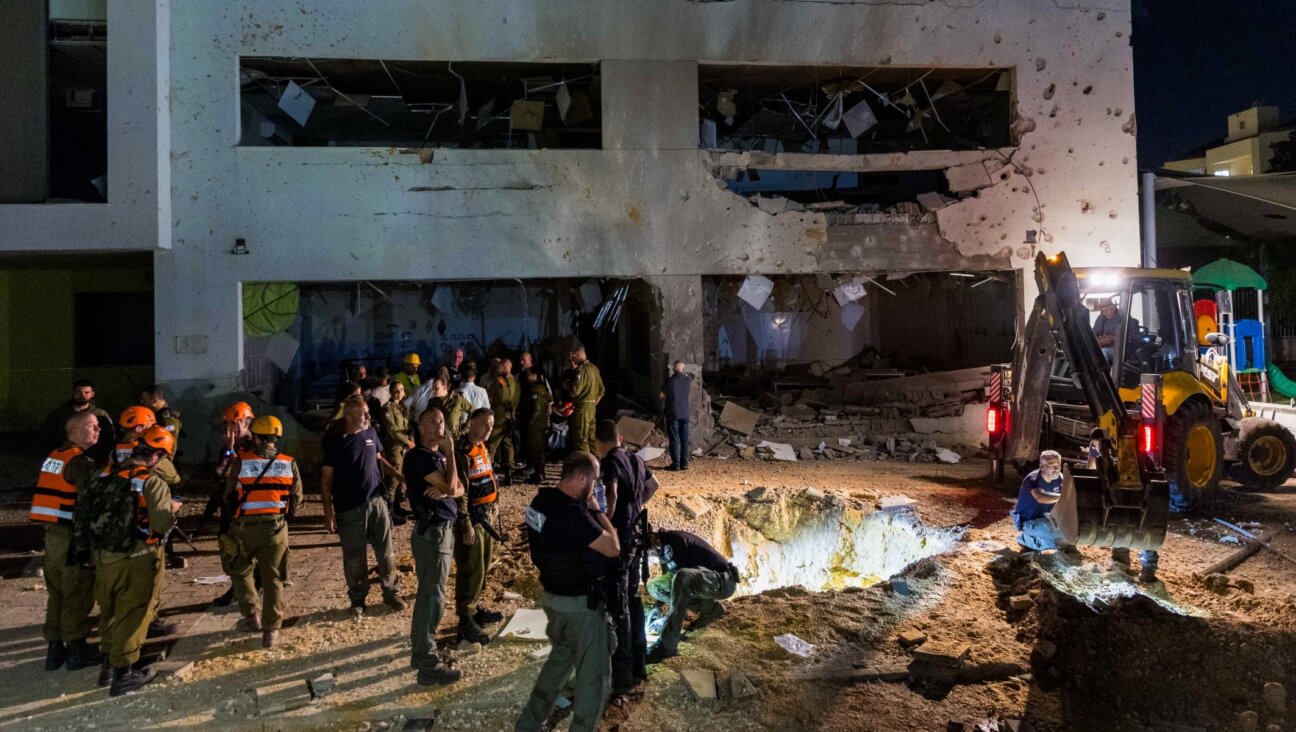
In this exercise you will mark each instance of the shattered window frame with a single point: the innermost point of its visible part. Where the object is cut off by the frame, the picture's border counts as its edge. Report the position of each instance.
(77, 99)
(317, 102)
(854, 110)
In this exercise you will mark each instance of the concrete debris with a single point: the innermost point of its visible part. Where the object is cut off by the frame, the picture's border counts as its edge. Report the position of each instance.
(806, 453)
(738, 419)
(1218, 583)
(778, 450)
(507, 595)
(737, 686)
(541, 654)
(911, 638)
(891, 673)
(700, 682)
(648, 454)
(794, 645)
(1020, 602)
(322, 685)
(815, 494)
(761, 495)
(695, 506)
(1046, 649)
(466, 648)
(949, 654)
(935, 201)
(527, 624)
(283, 696)
(947, 456)
(634, 431)
(897, 503)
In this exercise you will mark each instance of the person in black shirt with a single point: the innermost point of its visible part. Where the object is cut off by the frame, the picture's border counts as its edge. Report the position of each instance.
(675, 409)
(628, 484)
(702, 576)
(432, 486)
(351, 489)
(571, 540)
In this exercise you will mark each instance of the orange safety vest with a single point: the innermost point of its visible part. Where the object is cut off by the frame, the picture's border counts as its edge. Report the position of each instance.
(136, 474)
(120, 454)
(481, 475)
(264, 484)
(55, 497)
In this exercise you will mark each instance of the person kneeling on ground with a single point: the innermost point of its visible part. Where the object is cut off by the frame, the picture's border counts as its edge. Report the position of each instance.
(702, 577)
(433, 487)
(1040, 491)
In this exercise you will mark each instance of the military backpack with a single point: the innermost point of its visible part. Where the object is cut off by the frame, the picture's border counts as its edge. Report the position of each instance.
(107, 513)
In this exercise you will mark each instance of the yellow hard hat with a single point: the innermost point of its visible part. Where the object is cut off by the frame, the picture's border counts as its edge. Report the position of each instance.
(266, 426)
(413, 358)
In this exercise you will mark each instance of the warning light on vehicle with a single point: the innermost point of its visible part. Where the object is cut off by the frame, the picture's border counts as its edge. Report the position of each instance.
(1149, 439)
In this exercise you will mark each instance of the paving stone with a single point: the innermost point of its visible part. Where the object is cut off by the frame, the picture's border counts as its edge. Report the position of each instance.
(1020, 602)
(911, 638)
(695, 506)
(760, 495)
(700, 682)
(952, 654)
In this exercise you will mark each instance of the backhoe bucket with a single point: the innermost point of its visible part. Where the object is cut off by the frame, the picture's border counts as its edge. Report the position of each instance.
(1127, 518)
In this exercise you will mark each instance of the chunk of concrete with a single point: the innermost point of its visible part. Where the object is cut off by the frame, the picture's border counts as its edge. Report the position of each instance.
(747, 453)
(897, 503)
(541, 654)
(806, 453)
(911, 638)
(695, 506)
(1020, 602)
(761, 494)
(700, 682)
(814, 494)
(634, 431)
(779, 450)
(284, 696)
(322, 685)
(949, 654)
(1047, 649)
(738, 418)
(740, 687)
(649, 453)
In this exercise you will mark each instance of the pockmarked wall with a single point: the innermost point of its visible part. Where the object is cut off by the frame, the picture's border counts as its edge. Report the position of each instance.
(649, 203)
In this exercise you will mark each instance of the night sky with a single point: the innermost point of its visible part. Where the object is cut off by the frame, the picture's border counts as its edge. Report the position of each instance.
(1198, 61)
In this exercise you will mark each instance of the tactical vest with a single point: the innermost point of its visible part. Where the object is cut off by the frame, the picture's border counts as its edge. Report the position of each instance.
(564, 569)
(481, 475)
(264, 485)
(137, 474)
(55, 497)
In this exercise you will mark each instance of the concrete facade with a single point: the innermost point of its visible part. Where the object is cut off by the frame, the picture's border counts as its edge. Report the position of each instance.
(647, 205)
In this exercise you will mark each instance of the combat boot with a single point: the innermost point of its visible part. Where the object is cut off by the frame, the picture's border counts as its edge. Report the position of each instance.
(105, 673)
(472, 632)
(82, 655)
(268, 638)
(126, 680)
(55, 655)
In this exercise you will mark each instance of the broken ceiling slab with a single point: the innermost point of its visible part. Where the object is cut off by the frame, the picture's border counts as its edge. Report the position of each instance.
(527, 624)
(935, 201)
(778, 450)
(970, 177)
(634, 431)
(738, 418)
(868, 163)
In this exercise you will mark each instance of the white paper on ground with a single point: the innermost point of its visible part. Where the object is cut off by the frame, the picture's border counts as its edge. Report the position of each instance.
(219, 579)
(526, 624)
(947, 456)
(756, 290)
(281, 350)
(650, 453)
(296, 103)
(794, 645)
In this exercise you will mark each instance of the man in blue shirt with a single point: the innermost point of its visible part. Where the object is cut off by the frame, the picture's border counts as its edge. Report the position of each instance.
(675, 408)
(1040, 490)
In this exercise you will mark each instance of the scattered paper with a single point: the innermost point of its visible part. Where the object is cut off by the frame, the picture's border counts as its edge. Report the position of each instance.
(562, 98)
(859, 118)
(527, 114)
(794, 645)
(526, 624)
(850, 291)
(650, 453)
(756, 290)
(443, 299)
(281, 350)
(851, 313)
(296, 103)
(779, 450)
(219, 579)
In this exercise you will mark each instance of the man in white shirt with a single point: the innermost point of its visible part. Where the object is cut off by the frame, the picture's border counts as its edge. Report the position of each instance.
(475, 395)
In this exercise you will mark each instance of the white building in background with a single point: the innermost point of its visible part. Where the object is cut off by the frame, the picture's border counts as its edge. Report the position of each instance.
(676, 145)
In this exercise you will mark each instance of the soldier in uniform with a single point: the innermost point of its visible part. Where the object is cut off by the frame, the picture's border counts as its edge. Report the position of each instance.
(586, 391)
(131, 424)
(264, 486)
(235, 439)
(83, 393)
(396, 438)
(538, 398)
(127, 559)
(504, 394)
(628, 485)
(700, 578)
(64, 475)
(473, 545)
(454, 407)
(154, 397)
(571, 542)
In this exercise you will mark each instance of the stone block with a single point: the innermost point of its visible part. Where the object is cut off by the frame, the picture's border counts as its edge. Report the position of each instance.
(322, 685)
(760, 495)
(695, 506)
(1020, 602)
(911, 638)
(634, 431)
(950, 654)
(738, 419)
(700, 682)
(897, 503)
(814, 494)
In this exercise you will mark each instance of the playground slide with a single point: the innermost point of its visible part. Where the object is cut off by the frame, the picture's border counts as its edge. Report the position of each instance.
(1279, 384)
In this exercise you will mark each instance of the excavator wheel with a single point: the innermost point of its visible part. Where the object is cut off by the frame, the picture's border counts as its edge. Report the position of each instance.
(1267, 454)
(1194, 451)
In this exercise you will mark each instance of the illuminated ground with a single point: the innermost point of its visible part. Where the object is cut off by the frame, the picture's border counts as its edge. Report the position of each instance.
(1111, 670)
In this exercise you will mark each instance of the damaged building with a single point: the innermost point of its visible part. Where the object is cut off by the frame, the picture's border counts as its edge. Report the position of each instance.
(782, 189)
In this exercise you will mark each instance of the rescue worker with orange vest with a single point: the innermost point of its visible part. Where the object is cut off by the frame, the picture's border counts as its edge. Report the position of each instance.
(131, 424)
(265, 487)
(473, 545)
(127, 555)
(70, 587)
(235, 439)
